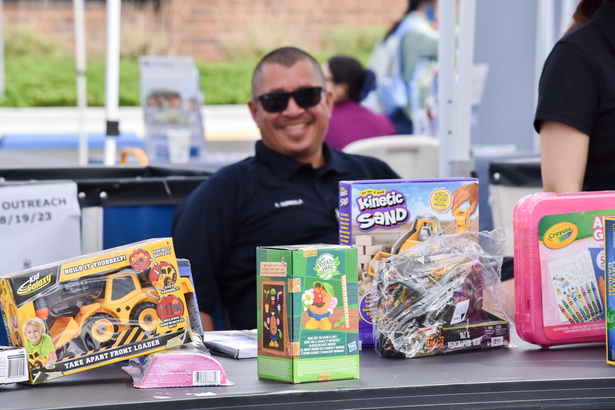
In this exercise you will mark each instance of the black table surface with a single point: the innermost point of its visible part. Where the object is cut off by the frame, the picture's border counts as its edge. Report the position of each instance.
(523, 376)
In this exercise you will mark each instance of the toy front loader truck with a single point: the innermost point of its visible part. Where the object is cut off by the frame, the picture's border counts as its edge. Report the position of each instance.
(123, 303)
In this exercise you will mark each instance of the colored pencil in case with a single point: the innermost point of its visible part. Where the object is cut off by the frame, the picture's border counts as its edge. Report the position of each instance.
(565, 313)
(572, 314)
(589, 303)
(599, 300)
(602, 285)
(578, 304)
(593, 301)
(588, 309)
(580, 314)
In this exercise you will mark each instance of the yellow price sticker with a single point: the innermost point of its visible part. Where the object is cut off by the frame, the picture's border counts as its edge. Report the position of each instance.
(440, 200)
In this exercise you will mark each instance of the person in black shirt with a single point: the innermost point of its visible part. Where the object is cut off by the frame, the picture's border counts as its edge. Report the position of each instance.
(576, 105)
(286, 194)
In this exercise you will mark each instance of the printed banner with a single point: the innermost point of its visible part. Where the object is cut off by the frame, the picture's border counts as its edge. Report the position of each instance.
(171, 100)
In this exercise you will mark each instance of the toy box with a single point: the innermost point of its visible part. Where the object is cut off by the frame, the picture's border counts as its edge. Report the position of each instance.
(192, 304)
(13, 365)
(384, 217)
(307, 313)
(559, 267)
(97, 309)
(608, 292)
(441, 296)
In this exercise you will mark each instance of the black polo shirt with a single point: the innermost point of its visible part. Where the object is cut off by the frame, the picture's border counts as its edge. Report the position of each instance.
(577, 88)
(268, 199)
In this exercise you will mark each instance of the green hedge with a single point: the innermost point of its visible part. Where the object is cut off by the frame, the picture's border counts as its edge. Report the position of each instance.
(40, 71)
(49, 82)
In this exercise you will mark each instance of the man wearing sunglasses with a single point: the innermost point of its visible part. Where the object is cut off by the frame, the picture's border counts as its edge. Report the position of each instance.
(286, 194)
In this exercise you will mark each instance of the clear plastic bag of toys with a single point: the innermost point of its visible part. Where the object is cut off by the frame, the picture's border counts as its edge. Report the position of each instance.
(442, 295)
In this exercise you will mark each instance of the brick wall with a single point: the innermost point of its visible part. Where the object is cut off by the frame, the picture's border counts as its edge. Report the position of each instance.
(208, 29)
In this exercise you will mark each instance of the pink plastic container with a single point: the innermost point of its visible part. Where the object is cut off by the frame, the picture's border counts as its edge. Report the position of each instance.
(559, 267)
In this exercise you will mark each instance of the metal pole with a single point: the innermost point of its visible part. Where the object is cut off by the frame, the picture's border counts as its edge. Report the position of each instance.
(112, 79)
(2, 83)
(446, 86)
(462, 166)
(80, 63)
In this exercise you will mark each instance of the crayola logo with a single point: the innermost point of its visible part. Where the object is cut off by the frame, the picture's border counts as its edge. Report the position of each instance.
(560, 235)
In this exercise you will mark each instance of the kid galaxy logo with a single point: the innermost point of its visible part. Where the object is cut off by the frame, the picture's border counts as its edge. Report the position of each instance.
(381, 209)
(34, 284)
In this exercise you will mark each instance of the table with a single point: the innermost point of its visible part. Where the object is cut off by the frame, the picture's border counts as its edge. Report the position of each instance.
(520, 377)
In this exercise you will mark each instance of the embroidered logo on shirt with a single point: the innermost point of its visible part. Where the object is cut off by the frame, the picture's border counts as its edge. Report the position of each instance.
(289, 202)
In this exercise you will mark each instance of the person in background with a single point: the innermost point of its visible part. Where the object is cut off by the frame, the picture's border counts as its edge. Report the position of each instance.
(409, 100)
(350, 82)
(575, 115)
(288, 193)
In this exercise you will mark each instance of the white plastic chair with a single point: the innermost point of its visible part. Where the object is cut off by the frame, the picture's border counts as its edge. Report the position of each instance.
(411, 156)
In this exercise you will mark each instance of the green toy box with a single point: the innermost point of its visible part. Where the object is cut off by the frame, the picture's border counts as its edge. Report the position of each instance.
(307, 313)
(607, 287)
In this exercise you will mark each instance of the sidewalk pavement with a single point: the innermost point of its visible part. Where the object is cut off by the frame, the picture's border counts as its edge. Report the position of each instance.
(221, 122)
(230, 133)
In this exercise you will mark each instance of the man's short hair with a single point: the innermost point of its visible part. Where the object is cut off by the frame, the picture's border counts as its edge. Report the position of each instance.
(286, 56)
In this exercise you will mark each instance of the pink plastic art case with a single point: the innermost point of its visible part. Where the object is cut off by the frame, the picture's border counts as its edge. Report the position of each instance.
(559, 267)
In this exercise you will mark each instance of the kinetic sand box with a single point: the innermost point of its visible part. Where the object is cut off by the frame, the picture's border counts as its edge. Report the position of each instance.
(388, 216)
(307, 313)
(97, 309)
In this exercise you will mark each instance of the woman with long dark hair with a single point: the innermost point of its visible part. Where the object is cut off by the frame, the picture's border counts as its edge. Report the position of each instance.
(350, 83)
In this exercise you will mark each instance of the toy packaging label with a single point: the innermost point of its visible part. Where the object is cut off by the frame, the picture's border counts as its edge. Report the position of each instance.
(609, 290)
(388, 216)
(559, 267)
(307, 313)
(97, 309)
(13, 365)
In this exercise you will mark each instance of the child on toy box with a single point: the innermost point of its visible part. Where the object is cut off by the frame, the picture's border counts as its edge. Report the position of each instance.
(37, 340)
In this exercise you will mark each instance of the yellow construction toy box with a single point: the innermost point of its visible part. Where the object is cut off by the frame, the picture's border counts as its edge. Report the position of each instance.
(384, 217)
(98, 308)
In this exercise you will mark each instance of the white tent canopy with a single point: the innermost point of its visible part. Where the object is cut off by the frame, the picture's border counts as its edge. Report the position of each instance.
(80, 64)
(455, 73)
(112, 76)
(112, 79)
(454, 97)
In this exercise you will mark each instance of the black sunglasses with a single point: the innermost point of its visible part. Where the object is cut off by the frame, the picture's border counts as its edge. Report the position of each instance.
(277, 101)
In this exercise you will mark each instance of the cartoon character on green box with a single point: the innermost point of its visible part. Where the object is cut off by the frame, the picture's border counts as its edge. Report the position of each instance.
(272, 312)
(273, 323)
(321, 306)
